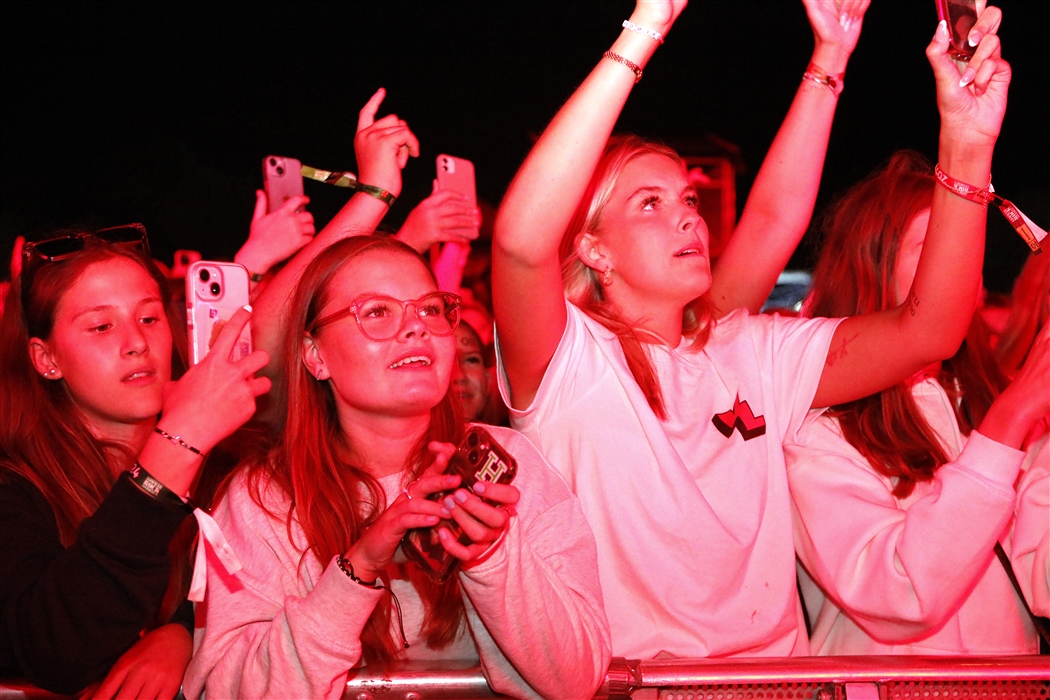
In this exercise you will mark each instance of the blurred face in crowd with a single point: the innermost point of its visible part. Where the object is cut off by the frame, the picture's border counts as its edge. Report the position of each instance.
(111, 345)
(403, 376)
(470, 377)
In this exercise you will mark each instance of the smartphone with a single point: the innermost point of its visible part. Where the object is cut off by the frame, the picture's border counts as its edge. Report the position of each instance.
(214, 292)
(457, 174)
(282, 179)
(478, 458)
(960, 15)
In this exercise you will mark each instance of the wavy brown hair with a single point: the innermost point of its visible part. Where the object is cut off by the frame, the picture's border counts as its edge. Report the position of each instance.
(584, 288)
(314, 464)
(855, 275)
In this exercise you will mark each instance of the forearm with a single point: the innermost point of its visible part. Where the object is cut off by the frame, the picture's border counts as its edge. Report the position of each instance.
(272, 308)
(539, 600)
(780, 206)
(69, 613)
(543, 196)
(883, 564)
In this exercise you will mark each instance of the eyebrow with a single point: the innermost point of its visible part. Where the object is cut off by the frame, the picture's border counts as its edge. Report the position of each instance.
(106, 307)
(656, 189)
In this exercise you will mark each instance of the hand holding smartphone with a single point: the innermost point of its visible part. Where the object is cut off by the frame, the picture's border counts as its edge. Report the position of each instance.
(214, 292)
(282, 179)
(961, 16)
(478, 458)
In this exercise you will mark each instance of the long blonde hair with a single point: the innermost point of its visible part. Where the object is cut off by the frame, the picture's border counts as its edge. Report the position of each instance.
(583, 288)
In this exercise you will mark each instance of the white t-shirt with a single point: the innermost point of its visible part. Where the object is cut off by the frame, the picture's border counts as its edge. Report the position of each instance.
(691, 514)
(917, 575)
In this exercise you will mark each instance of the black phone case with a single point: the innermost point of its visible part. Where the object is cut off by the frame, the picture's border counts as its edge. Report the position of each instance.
(478, 458)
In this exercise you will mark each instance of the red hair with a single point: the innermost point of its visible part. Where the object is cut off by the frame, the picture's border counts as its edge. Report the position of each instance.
(1029, 312)
(583, 287)
(855, 275)
(313, 464)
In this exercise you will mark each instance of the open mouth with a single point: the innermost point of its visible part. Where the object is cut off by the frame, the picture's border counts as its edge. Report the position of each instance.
(687, 251)
(417, 360)
(138, 374)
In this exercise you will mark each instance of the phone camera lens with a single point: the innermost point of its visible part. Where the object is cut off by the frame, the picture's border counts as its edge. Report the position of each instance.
(273, 162)
(472, 439)
(280, 170)
(204, 276)
(473, 457)
(215, 289)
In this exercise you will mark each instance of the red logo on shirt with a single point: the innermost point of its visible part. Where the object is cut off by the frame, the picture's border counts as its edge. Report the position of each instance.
(742, 417)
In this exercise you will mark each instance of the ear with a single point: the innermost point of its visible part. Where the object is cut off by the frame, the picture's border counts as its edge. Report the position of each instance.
(312, 360)
(43, 363)
(592, 254)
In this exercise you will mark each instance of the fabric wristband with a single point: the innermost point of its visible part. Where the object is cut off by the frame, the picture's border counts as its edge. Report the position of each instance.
(1032, 234)
(348, 180)
(145, 481)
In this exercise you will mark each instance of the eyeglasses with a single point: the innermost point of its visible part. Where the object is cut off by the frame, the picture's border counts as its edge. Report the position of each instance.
(36, 254)
(381, 317)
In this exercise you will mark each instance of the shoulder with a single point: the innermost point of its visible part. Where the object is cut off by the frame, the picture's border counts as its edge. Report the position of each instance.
(252, 498)
(537, 482)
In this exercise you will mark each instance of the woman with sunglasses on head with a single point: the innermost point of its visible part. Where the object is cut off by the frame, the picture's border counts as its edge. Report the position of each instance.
(668, 425)
(92, 483)
(370, 425)
(900, 497)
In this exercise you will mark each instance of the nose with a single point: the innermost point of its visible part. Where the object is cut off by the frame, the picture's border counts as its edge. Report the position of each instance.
(414, 325)
(134, 341)
(458, 375)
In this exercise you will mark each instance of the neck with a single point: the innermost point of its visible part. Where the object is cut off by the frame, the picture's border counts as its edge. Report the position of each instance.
(657, 319)
(384, 444)
(131, 435)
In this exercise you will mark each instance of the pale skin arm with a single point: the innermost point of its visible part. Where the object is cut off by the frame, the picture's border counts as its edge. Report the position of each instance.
(152, 668)
(871, 352)
(781, 202)
(526, 271)
(383, 147)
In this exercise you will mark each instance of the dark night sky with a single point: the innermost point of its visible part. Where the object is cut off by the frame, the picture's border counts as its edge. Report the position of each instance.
(162, 112)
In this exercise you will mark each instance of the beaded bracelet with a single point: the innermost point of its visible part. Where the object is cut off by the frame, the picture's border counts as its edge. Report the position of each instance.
(651, 33)
(348, 568)
(178, 441)
(145, 481)
(626, 62)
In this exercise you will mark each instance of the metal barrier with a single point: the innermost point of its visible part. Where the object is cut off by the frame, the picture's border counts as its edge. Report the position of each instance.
(802, 678)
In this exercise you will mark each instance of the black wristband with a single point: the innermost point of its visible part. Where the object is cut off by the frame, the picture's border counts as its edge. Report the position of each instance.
(145, 481)
(348, 569)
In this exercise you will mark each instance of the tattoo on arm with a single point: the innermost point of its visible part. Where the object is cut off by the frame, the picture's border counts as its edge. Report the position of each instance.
(837, 353)
(912, 302)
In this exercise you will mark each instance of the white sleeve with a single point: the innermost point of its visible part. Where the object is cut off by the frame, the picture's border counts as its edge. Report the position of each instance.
(268, 632)
(1030, 550)
(897, 573)
(542, 630)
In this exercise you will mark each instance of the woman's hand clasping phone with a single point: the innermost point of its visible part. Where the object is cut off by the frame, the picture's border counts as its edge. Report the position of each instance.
(482, 522)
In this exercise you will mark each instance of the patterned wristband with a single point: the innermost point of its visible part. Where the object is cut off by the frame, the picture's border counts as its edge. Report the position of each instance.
(145, 481)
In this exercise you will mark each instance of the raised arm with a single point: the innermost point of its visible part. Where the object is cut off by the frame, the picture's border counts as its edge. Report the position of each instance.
(871, 352)
(526, 271)
(382, 147)
(780, 205)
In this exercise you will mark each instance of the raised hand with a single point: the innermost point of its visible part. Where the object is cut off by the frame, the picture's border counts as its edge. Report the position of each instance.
(382, 146)
(216, 396)
(972, 105)
(443, 216)
(277, 235)
(836, 25)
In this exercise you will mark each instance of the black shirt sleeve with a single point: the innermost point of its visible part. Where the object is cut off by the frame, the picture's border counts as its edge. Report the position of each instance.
(68, 614)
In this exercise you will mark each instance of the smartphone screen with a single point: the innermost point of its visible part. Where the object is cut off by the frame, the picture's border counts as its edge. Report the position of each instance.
(214, 292)
(960, 15)
(282, 179)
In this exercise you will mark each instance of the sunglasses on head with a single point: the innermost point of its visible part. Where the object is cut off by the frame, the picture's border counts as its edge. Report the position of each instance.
(36, 254)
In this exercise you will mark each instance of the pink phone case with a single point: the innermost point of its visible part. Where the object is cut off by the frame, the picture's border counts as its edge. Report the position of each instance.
(214, 292)
(283, 179)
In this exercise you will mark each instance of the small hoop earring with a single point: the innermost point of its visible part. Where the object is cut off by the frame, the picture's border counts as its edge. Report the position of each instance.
(607, 277)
